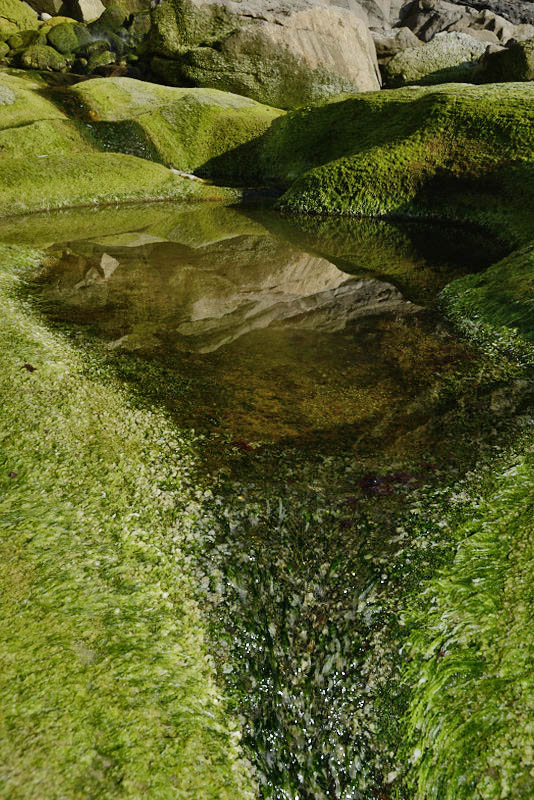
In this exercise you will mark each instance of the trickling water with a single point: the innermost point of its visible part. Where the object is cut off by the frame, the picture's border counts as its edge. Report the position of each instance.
(328, 392)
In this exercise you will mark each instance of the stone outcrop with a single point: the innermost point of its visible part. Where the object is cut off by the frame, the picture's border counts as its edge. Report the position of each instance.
(285, 55)
(515, 63)
(427, 18)
(448, 58)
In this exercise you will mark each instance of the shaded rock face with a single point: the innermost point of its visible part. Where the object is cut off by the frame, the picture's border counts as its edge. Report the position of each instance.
(515, 63)
(520, 12)
(284, 55)
(448, 58)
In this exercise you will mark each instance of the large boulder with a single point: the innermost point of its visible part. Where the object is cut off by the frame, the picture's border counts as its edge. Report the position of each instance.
(16, 16)
(515, 63)
(426, 18)
(520, 12)
(448, 58)
(288, 54)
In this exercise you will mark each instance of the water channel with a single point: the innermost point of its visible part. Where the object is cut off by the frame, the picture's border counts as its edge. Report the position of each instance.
(328, 392)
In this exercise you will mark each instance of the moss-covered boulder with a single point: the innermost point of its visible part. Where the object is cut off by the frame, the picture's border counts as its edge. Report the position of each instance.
(43, 58)
(284, 56)
(16, 16)
(187, 129)
(63, 38)
(22, 39)
(457, 151)
(22, 100)
(101, 59)
(113, 17)
(448, 58)
(516, 63)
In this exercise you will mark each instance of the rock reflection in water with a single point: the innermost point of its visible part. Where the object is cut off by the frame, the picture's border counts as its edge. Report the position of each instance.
(272, 341)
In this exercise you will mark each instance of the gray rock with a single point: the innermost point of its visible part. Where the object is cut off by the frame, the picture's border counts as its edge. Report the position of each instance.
(517, 11)
(398, 40)
(448, 58)
(86, 10)
(286, 54)
(429, 17)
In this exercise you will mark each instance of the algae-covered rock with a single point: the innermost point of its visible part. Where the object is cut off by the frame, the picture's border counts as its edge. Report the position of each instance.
(455, 151)
(63, 38)
(101, 59)
(16, 16)
(516, 63)
(24, 101)
(448, 58)
(4, 50)
(17, 41)
(188, 129)
(113, 17)
(286, 55)
(44, 58)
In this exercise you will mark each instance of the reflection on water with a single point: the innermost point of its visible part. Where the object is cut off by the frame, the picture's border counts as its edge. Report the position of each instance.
(292, 332)
(273, 337)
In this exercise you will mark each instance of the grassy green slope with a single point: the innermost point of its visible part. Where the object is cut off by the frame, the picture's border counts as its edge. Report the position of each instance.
(459, 152)
(105, 686)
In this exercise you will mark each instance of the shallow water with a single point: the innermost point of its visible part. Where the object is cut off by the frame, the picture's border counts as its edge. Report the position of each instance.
(278, 331)
(328, 390)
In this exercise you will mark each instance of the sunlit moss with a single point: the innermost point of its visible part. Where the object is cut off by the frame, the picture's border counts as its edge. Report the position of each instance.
(107, 689)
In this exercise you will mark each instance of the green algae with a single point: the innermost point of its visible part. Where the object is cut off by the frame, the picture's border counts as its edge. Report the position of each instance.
(91, 179)
(93, 592)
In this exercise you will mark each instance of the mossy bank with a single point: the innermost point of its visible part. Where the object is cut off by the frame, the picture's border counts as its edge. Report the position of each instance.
(115, 692)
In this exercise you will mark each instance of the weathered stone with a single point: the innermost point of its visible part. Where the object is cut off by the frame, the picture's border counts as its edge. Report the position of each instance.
(515, 63)
(44, 58)
(449, 57)
(63, 38)
(51, 7)
(429, 17)
(86, 10)
(517, 11)
(398, 40)
(286, 56)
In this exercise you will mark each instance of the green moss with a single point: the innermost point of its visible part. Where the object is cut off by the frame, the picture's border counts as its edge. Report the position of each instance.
(16, 16)
(90, 179)
(187, 128)
(24, 101)
(63, 38)
(113, 17)
(455, 152)
(44, 58)
(502, 296)
(94, 589)
(515, 63)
